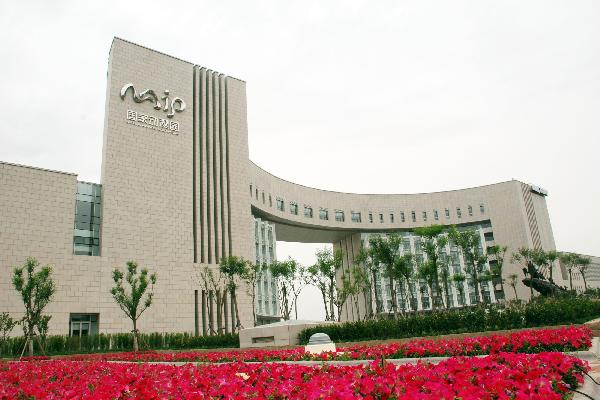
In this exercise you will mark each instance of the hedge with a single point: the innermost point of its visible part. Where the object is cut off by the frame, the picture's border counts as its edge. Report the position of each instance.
(62, 344)
(540, 312)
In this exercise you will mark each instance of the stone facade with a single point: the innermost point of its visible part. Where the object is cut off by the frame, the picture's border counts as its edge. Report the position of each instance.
(179, 193)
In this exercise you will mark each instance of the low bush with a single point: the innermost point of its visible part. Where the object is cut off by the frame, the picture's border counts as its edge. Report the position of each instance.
(541, 312)
(62, 344)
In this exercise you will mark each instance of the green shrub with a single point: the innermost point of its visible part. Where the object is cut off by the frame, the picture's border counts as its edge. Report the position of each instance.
(540, 312)
(62, 344)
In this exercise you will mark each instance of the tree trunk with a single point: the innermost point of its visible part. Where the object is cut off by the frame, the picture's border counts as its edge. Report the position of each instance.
(30, 345)
(219, 312)
(331, 290)
(570, 279)
(377, 302)
(393, 293)
(584, 281)
(238, 324)
(324, 296)
(135, 336)
(516, 295)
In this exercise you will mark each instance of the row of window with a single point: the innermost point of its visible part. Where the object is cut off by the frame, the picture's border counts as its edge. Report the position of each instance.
(356, 216)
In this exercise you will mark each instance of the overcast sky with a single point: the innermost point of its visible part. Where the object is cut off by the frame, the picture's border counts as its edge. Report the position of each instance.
(356, 96)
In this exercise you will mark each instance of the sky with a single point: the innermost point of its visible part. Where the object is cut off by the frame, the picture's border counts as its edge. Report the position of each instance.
(355, 96)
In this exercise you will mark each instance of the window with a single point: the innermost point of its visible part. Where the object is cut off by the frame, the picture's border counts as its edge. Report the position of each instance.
(250, 190)
(339, 216)
(293, 208)
(458, 212)
(371, 217)
(392, 218)
(482, 208)
(470, 210)
(355, 216)
(256, 193)
(436, 215)
(424, 215)
(323, 214)
(280, 205)
(270, 201)
(402, 219)
(381, 218)
(489, 236)
(263, 197)
(88, 218)
(308, 212)
(447, 211)
(83, 324)
(413, 216)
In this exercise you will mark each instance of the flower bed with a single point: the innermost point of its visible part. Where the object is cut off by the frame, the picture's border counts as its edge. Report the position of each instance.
(499, 376)
(529, 341)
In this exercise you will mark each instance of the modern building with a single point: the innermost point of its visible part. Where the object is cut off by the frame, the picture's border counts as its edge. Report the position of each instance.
(179, 192)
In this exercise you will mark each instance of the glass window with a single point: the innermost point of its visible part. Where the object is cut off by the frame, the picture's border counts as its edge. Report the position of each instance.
(424, 215)
(280, 205)
(436, 215)
(371, 217)
(250, 190)
(470, 210)
(489, 236)
(392, 218)
(381, 218)
(83, 324)
(458, 212)
(263, 197)
(323, 214)
(413, 216)
(257, 194)
(402, 219)
(482, 208)
(355, 216)
(447, 211)
(339, 215)
(293, 208)
(308, 213)
(270, 201)
(87, 221)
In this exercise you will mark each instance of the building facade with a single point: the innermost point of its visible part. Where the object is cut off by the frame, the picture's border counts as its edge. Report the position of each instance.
(178, 192)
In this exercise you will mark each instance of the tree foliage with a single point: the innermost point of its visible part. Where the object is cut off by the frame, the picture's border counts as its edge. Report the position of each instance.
(36, 287)
(132, 300)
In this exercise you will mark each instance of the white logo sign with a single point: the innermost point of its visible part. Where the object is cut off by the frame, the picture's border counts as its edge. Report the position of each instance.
(152, 122)
(169, 106)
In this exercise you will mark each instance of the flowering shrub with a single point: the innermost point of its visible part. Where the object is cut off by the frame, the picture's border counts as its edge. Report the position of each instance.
(499, 376)
(529, 341)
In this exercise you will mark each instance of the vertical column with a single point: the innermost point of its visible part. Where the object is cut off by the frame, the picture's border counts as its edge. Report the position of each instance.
(196, 322)
(203, 313)
(209, 169)
(224, 169)
(203, 164)
(216, 165)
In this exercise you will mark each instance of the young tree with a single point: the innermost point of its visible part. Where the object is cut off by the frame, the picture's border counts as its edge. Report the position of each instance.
(323, 275)
(459, 280)
(253, 275)
(496, 255)
(315, 278)
(289, 275)
(365, 258)
(215, 288)
(36, 289)
(526, 257)
(513, 279)
(433, 241)
(234, 268)
(7, 324)
(360, 277)
(468, 241)
(583, 264)
(385, 251)
(132, 300)
(551, 257)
